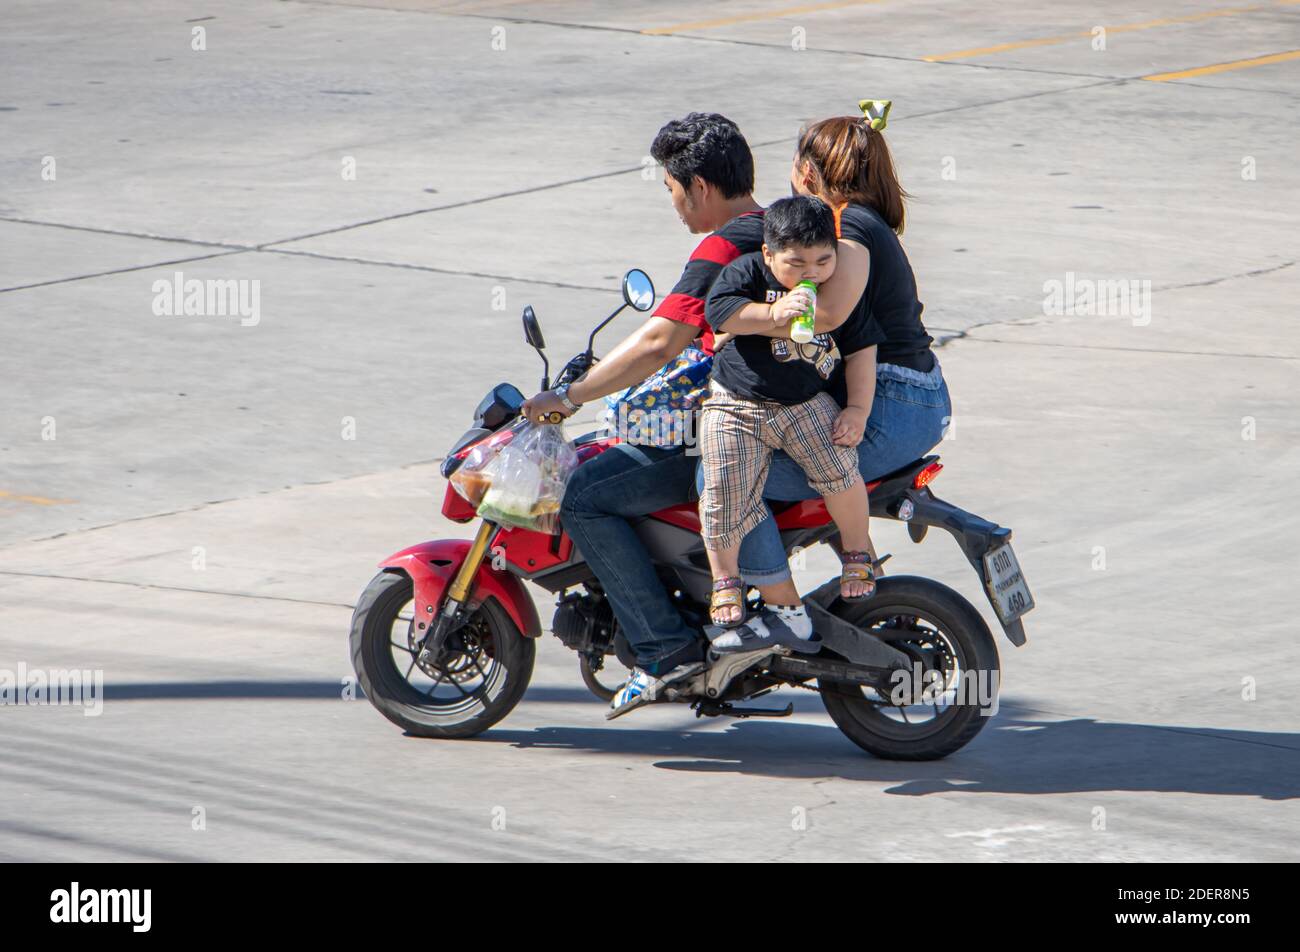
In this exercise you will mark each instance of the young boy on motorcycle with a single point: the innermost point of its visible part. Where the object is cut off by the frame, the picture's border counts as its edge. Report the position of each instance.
(769, 392)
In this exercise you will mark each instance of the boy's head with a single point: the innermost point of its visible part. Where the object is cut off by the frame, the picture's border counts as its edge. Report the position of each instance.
(706, 163)
(799, 240)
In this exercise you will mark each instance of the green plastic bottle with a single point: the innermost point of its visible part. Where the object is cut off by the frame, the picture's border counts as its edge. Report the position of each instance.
(801, 328)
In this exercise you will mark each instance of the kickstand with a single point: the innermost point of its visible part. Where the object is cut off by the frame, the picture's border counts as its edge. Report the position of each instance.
(723, 709)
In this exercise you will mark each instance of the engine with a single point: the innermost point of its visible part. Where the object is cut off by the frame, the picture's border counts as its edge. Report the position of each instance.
(584, 622)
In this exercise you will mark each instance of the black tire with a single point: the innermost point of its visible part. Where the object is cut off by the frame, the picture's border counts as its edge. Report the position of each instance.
(504, 680)
(873, 724)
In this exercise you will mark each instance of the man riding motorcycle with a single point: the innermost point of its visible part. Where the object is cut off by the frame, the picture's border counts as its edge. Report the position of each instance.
(709, 173)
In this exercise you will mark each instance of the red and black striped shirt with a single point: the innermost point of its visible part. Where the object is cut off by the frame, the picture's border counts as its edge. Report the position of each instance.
(740, 236)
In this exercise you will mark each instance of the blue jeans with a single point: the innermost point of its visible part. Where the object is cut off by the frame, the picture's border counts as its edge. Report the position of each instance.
(908, 417)
(624, 482)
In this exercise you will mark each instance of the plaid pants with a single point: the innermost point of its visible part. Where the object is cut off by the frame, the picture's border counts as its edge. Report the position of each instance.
(737, 440)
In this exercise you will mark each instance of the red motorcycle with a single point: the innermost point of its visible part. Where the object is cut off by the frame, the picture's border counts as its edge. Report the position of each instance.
(443, 638)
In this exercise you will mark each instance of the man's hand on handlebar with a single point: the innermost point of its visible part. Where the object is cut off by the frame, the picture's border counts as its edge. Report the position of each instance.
(539, 407)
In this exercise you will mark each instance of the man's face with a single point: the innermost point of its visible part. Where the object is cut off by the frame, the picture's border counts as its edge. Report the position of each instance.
(688, 203)
(794, 264)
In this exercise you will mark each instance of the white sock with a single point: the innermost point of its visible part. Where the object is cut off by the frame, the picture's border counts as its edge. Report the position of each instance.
(732, 640)
(796, 617)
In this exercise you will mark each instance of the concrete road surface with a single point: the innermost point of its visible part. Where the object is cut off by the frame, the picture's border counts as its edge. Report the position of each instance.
(190, 505)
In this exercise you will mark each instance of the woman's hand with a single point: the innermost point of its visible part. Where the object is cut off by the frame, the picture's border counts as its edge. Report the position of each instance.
(542, 405)
(789, 306)
(849, 426)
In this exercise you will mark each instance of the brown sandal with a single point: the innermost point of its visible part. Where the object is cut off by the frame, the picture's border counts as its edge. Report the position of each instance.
(857, 567)
(728, 592)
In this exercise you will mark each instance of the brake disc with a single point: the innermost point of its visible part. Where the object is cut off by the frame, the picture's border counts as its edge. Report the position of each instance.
(462, 661)
(925, 646)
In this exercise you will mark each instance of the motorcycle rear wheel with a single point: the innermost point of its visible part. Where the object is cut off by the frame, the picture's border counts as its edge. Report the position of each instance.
(475, 685)
(941, 630)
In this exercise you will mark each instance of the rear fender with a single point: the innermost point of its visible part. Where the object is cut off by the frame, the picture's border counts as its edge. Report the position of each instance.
(975, 536)
(432, 565)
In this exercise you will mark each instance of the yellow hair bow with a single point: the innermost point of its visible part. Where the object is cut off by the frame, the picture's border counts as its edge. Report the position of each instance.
(875, 112)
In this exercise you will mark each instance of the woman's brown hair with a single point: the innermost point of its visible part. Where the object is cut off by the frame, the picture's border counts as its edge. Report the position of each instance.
(850, 162)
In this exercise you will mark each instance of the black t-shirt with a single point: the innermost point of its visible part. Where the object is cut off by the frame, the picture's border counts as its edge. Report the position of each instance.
(758, 367)
(890, 294)
(685, 303)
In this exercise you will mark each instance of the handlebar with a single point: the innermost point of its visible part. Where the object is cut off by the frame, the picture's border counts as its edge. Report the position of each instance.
(555, 416)
(575, 368)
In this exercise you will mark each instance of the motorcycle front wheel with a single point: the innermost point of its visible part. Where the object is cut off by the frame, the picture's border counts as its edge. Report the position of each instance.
(481, 676)
(955, 664)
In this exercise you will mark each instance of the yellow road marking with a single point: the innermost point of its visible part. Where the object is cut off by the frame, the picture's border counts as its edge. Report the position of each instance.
(1224, 67)
(38, 500)
(752, 17)
(1120, 28)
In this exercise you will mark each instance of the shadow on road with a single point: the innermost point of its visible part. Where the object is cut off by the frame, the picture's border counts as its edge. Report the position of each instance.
(225, 690)
(299, 690)
(1016, 753)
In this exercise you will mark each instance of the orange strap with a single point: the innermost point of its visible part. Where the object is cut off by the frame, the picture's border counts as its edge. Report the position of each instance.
(839, 210)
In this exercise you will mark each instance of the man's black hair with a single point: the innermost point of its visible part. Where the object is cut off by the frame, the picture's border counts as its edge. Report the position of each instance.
(801, 222)
(707, 145)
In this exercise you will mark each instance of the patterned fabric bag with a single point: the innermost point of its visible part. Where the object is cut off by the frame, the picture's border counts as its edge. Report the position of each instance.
(661, 410)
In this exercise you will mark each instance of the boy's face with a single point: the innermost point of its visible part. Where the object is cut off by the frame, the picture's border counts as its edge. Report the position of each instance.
(793, 264)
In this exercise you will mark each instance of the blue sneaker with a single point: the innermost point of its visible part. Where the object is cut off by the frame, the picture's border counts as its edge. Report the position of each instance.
(643, 688)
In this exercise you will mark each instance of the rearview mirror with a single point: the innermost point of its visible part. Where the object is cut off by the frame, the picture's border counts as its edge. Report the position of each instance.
(638, 290)
(533, 330)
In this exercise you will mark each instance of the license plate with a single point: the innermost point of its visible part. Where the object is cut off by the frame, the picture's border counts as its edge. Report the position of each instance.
(1006, 584)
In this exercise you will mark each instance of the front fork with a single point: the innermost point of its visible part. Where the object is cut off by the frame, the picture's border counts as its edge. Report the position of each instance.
(457, 593)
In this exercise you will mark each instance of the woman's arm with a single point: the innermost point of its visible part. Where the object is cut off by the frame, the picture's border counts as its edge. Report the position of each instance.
(837, 298)
(860, 378)
(860, 381)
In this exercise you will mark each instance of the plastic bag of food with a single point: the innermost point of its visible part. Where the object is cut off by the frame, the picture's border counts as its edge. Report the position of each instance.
(472, 479)
(527, 479)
